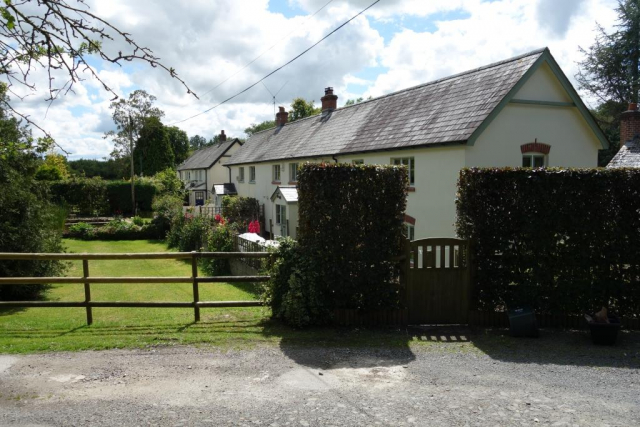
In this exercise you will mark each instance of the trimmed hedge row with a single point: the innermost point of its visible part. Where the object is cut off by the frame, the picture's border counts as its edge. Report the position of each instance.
(93, 196)
(114, 230)
(350, 226)
(562, 241)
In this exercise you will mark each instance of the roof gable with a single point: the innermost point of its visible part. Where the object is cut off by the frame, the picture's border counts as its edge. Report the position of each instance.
(549, 60)
(208, 156)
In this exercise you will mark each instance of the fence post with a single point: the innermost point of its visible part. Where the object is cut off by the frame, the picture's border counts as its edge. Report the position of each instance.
(87, 290)
(405, 265)
(196, 291)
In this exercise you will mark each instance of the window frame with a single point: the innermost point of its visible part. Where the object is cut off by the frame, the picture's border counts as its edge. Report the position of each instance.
(532, 156)
(411, 166)
(293, 172)
(280, 209)
(252, 174)
(411, 231)
(241, 174)
(276, 173)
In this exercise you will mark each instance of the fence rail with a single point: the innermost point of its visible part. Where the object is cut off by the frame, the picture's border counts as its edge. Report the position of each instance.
(86, 279)
(246, 246)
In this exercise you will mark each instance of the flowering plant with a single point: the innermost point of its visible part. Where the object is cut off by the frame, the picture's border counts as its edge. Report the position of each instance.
(254, 227)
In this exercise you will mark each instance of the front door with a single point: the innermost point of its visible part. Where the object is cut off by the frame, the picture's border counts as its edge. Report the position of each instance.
(439, 281)
(199, 198)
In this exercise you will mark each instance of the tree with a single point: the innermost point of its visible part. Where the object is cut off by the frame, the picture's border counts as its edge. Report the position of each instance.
(301, 108)
(129, 117)
(53, 168)
(254, 128)
(60, 36)
(179, 144)
(105, 169)
(28, 222)
(610, 71)
(355, 101)
(197, 142)
(154, 147)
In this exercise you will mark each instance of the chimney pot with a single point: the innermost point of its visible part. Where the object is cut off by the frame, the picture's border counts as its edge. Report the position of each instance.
(281, 117)
(629, 124)
(329, 100)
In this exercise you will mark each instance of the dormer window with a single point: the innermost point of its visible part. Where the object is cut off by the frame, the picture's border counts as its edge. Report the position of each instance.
(534, 160)
(535, 154)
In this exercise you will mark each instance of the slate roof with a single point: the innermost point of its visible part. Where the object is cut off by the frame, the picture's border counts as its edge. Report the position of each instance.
(448, 110)
(289, 193)
(628, 156)
(228, 189)
(206, 157)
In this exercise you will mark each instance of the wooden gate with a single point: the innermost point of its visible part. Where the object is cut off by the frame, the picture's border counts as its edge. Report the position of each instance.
(438, 281)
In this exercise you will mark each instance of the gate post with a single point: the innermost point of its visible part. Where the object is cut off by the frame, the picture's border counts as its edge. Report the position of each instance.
(196, 291)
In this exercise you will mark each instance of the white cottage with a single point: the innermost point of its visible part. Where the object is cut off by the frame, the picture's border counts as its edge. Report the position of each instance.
(518, 112)
(203, 172)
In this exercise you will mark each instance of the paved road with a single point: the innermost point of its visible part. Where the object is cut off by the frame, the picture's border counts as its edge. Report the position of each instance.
(439, 384)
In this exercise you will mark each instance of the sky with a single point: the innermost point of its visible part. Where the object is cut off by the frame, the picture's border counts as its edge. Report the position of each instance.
(396, 44)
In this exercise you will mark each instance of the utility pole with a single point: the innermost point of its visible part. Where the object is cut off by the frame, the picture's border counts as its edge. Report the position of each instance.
(133, 188)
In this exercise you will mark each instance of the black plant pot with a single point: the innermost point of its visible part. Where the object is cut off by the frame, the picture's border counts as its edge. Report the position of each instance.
(523, 323)
(605, 333)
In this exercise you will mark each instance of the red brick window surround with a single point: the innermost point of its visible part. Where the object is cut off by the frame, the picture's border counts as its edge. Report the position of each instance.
(535, 147)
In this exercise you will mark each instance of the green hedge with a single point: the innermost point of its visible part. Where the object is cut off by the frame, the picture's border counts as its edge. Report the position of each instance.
(94, 196)
(114, 230)
(350, 226)
(562, 241)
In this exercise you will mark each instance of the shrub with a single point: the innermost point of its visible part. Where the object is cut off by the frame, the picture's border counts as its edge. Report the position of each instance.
(167, 211)
(192, 233)
(291, 292)
(219, 239)
(81, 230)
(563, 241)
(240, 210)
(119, 194)
(138, 221)
(28, 222)
(351, 225)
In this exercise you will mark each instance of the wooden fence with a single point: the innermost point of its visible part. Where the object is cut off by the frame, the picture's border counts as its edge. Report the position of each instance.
(86, 279)
(243, 246)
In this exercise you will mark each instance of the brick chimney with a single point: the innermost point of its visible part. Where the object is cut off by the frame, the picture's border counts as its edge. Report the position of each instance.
(281, 117)
(329, 100)
(629, 124)
(223, 137)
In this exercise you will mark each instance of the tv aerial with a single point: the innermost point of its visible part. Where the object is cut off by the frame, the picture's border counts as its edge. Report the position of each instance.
(273, 96)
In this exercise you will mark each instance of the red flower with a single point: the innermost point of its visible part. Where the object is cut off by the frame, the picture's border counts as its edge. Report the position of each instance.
(254, 227)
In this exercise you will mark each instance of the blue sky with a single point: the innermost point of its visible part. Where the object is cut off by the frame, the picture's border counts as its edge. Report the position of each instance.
(397, 44)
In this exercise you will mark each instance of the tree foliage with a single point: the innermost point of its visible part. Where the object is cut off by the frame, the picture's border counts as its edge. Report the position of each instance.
(197, 142)
(254, 128)
(60, 36)
(301, 108)
(129, 116)
(610, 72)
(179, 144)
(53, 168)
(28, 222)
(153, 152)
(105, 169)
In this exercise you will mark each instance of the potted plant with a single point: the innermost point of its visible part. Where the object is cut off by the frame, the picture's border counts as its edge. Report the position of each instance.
(604, 327)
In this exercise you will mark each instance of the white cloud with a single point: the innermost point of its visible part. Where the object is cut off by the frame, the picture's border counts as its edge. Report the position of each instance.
(208, 41)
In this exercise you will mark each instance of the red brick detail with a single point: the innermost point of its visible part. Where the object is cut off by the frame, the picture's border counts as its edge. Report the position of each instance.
(282, 117)
(535, 147)
(276, 182)
(411, 189)
(293, 182)
(409, 220)
(629, 124)
(329, 100)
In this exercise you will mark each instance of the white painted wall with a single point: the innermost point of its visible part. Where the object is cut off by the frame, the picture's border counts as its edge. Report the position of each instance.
(573, 144)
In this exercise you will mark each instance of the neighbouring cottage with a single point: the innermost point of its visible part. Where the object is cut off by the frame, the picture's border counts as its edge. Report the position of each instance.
(629, 154)
(519, 112)
(205, 176)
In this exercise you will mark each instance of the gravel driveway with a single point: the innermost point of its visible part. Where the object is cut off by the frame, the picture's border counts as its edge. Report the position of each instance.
(461, 381)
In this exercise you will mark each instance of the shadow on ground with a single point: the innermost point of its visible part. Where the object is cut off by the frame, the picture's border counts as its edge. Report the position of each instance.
(553, 347)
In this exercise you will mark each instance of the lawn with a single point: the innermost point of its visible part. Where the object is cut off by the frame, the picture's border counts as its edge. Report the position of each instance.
(65, 329)
(42, 329)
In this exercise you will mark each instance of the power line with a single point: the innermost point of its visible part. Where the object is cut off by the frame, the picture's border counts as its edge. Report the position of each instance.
(267, 50)
(281, 67)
